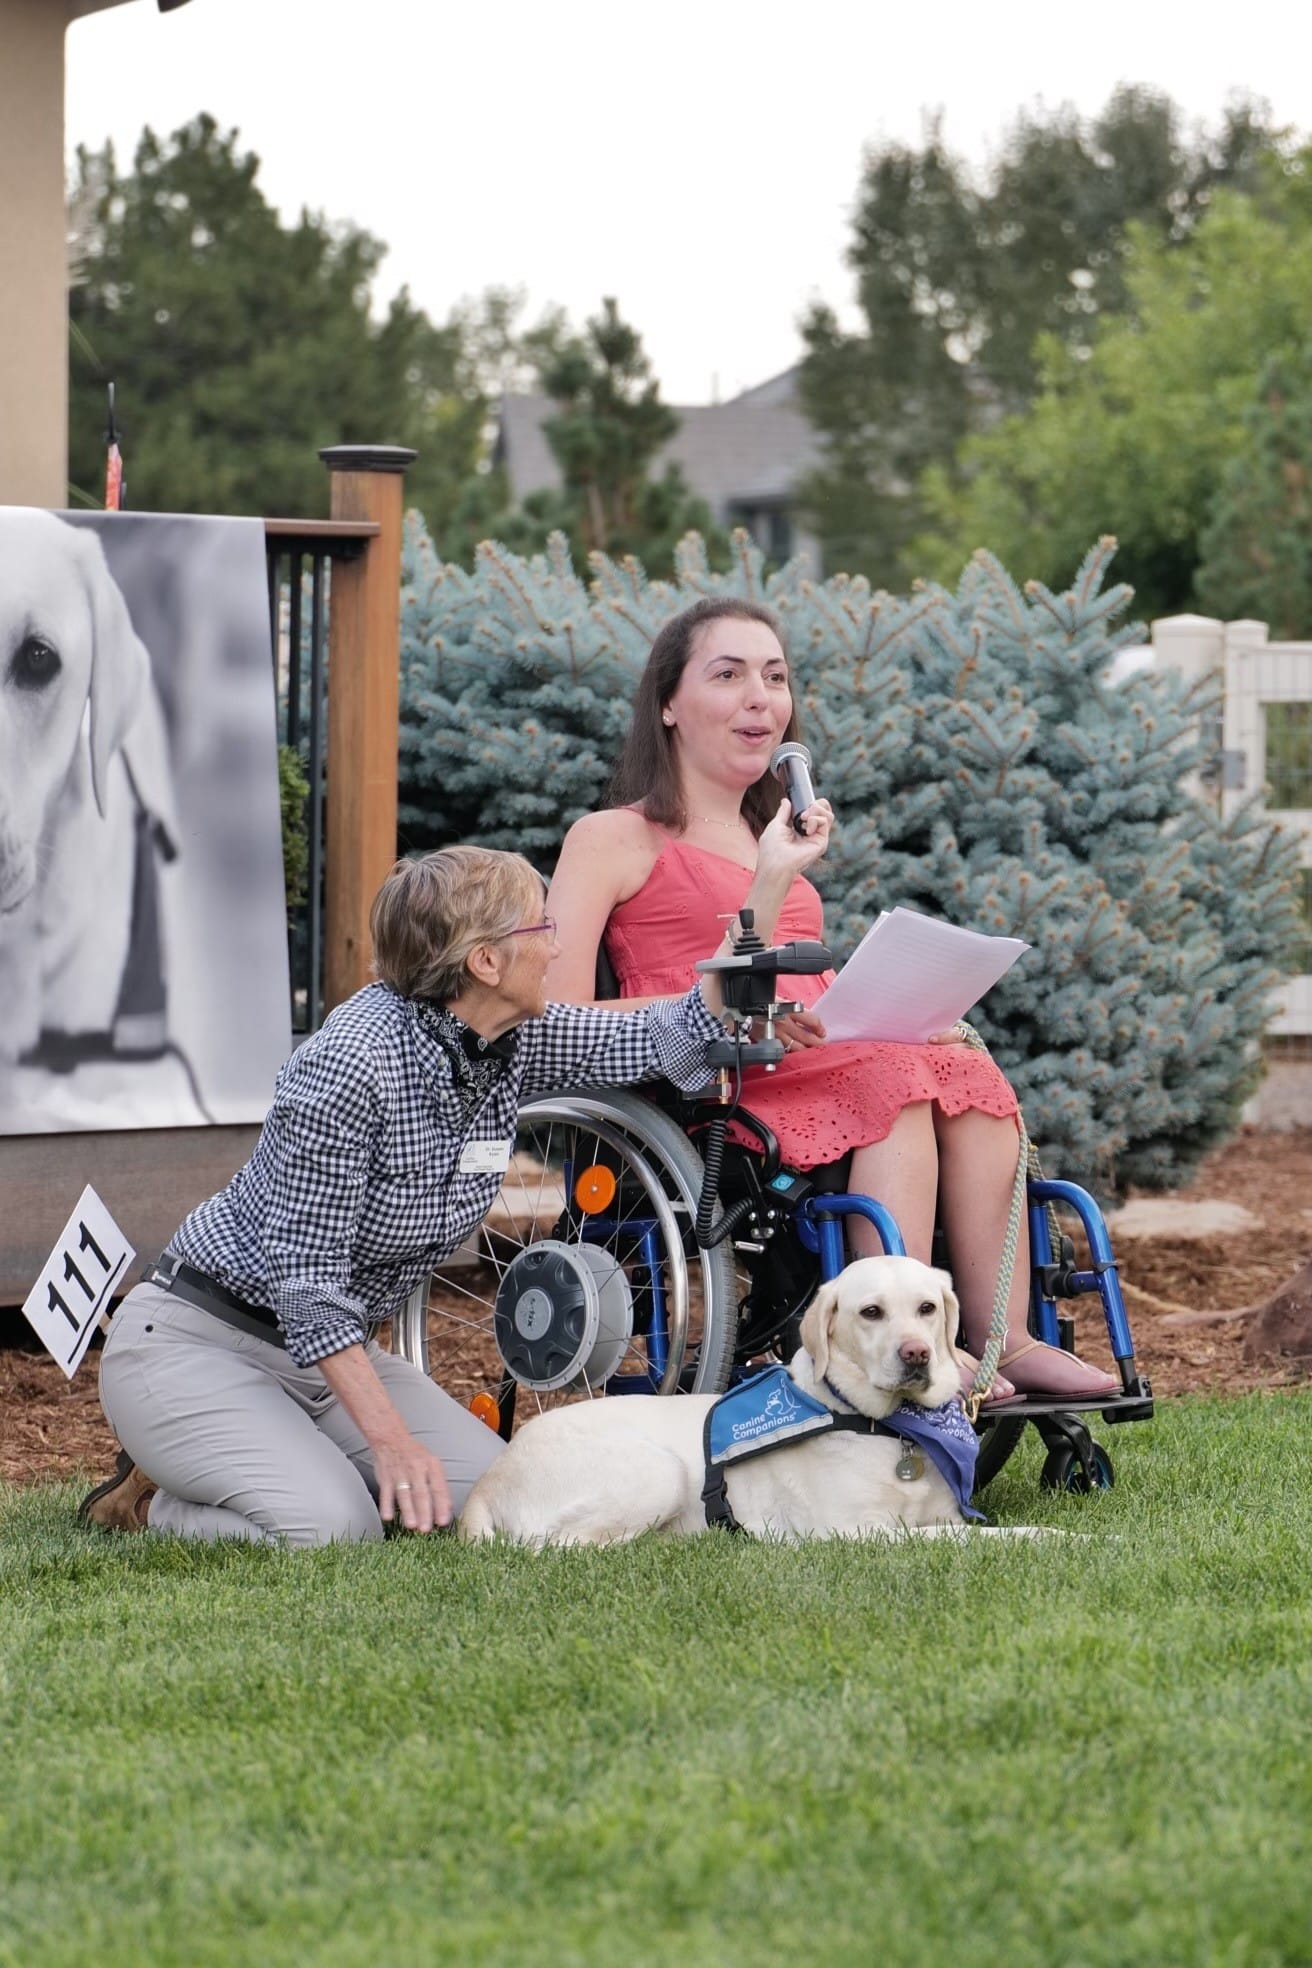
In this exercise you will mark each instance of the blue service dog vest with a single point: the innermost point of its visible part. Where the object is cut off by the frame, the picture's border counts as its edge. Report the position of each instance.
(770, 1410)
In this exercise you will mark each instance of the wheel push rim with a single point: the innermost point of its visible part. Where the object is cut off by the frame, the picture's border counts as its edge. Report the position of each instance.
(638, 1215)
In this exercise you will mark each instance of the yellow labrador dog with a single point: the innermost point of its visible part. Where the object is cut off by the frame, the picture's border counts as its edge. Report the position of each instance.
(602, 1471)
(82, 746)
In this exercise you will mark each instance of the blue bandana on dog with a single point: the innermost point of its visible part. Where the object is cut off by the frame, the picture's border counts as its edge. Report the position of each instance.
(770, 1410)
(948, 1440)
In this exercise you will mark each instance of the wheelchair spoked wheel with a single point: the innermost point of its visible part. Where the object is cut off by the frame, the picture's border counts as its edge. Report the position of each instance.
(585, 1278)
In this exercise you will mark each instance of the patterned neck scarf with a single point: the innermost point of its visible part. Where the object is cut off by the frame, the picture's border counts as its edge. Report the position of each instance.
(476, 1063)
(943, 1433)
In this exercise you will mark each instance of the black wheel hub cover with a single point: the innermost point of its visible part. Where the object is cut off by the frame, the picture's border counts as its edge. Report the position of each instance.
(563, 1316)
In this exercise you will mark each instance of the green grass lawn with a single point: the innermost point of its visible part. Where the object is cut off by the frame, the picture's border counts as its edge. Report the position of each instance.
(1083, 1751)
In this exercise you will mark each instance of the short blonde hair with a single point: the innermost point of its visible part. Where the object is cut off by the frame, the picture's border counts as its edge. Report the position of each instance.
(431, 913)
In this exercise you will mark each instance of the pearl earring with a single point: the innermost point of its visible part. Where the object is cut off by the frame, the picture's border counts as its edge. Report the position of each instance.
(666, 718)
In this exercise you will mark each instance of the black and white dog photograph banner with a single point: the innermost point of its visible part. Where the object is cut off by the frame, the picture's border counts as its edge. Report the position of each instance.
(143, 941)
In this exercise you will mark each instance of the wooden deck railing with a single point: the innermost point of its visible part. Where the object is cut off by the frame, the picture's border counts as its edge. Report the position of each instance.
(334, 606)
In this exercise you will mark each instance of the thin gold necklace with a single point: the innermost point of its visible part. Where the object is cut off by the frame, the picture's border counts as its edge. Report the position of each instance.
(709, 820)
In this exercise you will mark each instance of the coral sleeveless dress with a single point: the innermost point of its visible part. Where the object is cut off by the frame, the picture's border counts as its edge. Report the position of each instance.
(820, 1100)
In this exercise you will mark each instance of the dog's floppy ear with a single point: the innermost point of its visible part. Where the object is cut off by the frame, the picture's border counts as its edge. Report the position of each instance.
(951, 1310)
(816, 1322)
(120, 666)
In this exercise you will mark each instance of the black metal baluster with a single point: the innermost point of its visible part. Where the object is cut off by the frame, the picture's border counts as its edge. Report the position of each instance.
(273, 569)
(294, 651)
(318, 708)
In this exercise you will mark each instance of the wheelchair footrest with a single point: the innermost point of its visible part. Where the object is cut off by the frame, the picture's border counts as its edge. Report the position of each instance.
(1137, 1405)
(1131, 1407)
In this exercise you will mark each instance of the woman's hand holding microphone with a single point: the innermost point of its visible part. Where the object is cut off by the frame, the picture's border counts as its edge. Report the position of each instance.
(786, 849)
(782, 854)
(799, 832)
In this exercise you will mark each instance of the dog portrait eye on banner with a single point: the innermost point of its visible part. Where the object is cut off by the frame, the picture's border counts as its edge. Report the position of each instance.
(143, 937)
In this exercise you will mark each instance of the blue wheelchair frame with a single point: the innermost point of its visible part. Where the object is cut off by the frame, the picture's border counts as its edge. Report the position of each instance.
(819, 1224)
(1074, 1460)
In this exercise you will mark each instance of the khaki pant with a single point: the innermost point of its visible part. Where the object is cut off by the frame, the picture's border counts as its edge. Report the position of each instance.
(244, 1444)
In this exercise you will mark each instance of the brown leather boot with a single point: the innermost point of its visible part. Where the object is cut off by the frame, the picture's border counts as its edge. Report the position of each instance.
(120, 1503)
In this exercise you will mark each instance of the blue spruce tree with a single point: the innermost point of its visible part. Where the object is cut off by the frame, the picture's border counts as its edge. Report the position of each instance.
(982, 769)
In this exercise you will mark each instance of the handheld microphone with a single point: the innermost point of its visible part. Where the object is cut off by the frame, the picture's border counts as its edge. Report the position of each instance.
(791, 766)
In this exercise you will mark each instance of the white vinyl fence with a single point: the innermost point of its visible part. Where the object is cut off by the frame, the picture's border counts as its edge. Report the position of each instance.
(1266, 744)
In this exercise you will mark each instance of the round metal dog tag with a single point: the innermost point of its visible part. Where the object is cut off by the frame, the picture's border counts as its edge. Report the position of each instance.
(910, 1464)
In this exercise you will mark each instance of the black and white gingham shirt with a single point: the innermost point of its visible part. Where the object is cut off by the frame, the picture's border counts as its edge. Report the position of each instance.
(354, 1191)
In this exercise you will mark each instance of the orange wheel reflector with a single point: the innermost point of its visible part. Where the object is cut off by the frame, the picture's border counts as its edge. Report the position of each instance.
(488, 1409)
(595, 1189)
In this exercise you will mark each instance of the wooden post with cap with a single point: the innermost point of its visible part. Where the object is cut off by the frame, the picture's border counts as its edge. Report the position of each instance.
(364, 663)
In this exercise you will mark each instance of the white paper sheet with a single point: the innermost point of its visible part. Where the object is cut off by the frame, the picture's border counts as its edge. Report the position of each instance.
(911, 976)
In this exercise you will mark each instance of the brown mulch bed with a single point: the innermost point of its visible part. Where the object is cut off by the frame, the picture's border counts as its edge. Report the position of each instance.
(50, 1427)
(1271, 1175)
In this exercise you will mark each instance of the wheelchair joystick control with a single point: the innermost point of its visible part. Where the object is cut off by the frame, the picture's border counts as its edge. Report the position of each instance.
(747, 940)
(749, 979)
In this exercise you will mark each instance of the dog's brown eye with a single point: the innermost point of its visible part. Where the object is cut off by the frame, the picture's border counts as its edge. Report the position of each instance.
(928, 1309)
(35, 663)
(872, 1311)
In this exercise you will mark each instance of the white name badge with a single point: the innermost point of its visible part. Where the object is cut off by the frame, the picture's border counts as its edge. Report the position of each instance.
(73, 1293)
(485, 1157)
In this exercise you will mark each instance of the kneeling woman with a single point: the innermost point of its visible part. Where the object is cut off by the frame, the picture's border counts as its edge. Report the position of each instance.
(242, 1376)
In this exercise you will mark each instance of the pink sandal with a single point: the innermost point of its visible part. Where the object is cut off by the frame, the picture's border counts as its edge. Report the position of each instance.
(1107, 1384)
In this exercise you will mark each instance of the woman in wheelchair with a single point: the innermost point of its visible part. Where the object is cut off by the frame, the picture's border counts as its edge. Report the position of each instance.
(693, 837)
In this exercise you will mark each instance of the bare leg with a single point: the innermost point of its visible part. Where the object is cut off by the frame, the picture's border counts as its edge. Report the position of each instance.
(902, 1173)
(977, 1167)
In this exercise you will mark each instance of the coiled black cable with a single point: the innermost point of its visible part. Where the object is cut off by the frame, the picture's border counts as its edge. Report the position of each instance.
(712, 1146)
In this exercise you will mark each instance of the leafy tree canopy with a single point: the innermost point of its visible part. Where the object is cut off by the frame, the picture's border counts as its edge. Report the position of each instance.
(956, 281)
(240, 345)
(1137, 437)
(1256, 549)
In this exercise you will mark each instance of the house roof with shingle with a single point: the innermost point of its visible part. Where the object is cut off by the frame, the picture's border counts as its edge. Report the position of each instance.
(748, 452)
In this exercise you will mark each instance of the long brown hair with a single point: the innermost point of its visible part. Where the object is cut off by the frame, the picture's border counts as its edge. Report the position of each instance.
(648, 769)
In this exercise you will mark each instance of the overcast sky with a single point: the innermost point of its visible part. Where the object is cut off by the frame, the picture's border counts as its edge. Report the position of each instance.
(698, 161)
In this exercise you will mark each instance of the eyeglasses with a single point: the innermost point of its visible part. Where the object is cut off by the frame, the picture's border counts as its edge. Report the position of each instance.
(546, 927)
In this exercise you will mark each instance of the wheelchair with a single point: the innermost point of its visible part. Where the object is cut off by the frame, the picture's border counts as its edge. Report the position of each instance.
(635, 1249)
